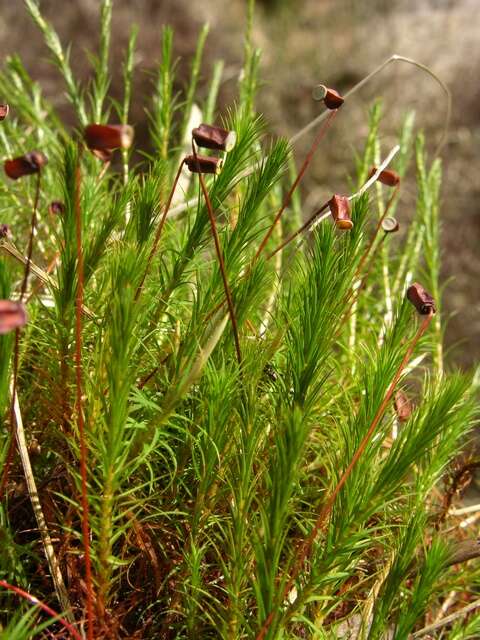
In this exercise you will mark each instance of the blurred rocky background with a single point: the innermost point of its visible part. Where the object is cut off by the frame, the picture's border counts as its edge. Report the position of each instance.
(305, 42)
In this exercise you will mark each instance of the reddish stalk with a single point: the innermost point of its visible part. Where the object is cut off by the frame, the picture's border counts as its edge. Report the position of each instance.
(221, 262)
(32, 234)
(304, 551)
(80, 416)
(297, 180)
(16, 350)
(307, 224)
(356, 294)
(286, 202)
(377, 229)
(159, 231)
(303, 228)
(150, 375)
(35, 601)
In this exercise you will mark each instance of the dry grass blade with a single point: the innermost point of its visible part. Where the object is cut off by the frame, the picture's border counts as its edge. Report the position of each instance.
(10, 249)
(52, 559)
(447, 620)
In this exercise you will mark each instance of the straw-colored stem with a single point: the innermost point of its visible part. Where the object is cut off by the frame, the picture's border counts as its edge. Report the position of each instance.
(43, 276)
(52, 559)
(447, 620)
(377, 230)
(299, 231)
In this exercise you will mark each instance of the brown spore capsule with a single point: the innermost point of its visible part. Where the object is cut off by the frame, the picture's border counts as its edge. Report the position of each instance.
(387, 177)
(211, 137)
(331, 98)
(56, 208)
(5, 232)
(204, 164)
(106, 137)
(403, 406)
(12, 316)
(25, 165)
(421, 299)
(340, 210)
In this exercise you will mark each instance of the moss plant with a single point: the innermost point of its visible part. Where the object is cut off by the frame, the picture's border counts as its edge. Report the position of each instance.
(198, 433)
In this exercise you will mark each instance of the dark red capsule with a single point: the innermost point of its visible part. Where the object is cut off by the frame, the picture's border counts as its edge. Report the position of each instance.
(340, 210)
(25, 165)
(105, 137)
(56, 208)
(387, 177)
(421, 299)
(204, 164)
(403, 406)
(4, 110)
(211, 137)
(331, 98)
(4, 231)
(12, 316)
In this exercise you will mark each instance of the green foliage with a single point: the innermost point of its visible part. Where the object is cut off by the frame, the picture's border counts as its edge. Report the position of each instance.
(60, 58)
(205, 478)
(6, 342)
(163, 106)
(23, 626)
